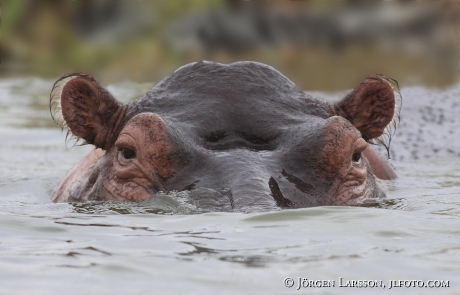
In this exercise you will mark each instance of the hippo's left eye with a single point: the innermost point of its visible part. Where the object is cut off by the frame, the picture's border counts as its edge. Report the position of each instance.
(356, 157)
(127, 153)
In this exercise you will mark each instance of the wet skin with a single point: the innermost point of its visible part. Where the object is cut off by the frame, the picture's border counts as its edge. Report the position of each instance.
(242, 128)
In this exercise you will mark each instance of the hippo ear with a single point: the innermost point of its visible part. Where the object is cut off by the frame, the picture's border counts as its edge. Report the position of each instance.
(373, 108)
(79, 103)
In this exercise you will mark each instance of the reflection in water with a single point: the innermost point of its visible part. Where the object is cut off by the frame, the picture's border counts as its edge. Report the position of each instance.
(198, 250)
(249, 261)
(104, 225)
(381, 203)
(174, 202)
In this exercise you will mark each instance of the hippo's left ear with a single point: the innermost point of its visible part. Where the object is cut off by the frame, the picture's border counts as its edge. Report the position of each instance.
(373, 108)
(87, 109)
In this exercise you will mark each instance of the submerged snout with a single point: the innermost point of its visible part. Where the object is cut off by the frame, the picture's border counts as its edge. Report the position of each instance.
(242, 173)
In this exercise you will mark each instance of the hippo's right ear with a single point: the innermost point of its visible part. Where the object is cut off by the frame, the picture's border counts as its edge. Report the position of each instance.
(85, 107)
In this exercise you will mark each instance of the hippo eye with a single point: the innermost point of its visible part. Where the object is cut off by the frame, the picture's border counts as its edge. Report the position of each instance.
(127, 153)
(356, 157)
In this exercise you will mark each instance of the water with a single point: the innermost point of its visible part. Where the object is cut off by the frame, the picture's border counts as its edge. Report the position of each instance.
(170, 246)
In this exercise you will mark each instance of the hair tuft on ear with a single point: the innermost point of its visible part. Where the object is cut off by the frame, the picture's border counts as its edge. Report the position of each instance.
(55, 99)
(390, 130)
(90, 113)
(374, 109)
(72, 140)
(56, 108)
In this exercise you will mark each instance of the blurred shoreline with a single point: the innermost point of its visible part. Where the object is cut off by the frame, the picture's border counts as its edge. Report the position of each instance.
(320, 47)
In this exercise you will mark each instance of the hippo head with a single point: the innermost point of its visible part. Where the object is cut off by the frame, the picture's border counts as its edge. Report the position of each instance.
(243, 129)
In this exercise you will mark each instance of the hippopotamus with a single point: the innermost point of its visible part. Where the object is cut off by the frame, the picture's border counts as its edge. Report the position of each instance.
(243, 128)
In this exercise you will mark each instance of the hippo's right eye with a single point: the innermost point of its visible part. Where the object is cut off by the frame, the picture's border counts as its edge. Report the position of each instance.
(127, 153)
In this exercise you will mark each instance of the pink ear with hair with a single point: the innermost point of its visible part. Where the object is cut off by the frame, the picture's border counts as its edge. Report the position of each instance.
(87, 108)
(372, 107)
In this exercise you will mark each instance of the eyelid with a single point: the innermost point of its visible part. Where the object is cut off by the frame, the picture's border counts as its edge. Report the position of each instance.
(126, 141)
(360, 145)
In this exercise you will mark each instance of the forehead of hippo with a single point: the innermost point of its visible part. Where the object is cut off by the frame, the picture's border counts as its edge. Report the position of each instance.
(246, 98)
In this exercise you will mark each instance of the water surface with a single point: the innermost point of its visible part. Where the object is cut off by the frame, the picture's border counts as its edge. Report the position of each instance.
(171, 246)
